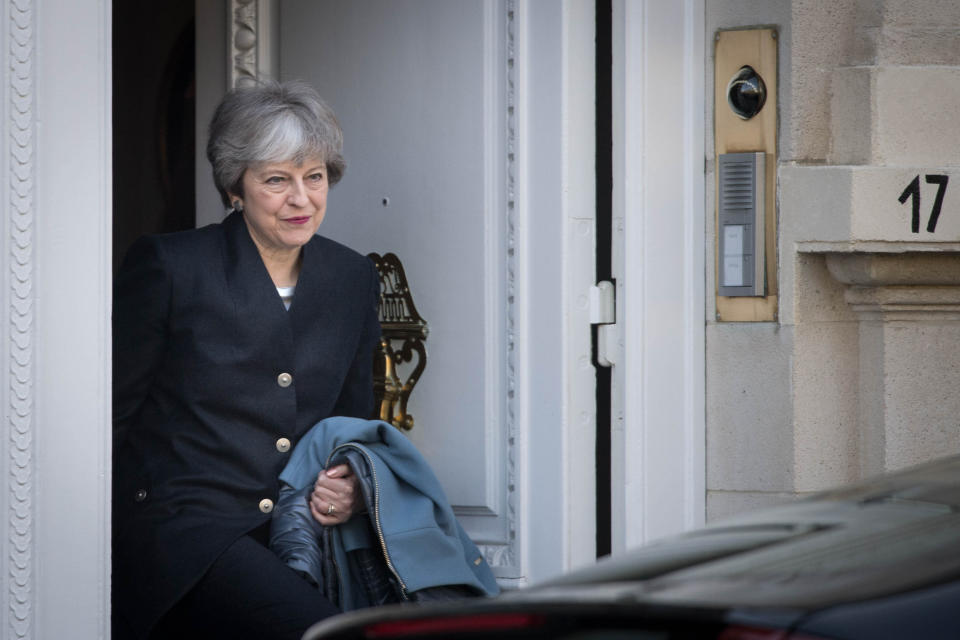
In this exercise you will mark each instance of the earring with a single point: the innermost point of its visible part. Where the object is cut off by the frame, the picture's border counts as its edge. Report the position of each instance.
(238, 206)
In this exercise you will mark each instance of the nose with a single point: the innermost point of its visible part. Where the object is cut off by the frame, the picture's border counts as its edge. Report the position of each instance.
(298, 193)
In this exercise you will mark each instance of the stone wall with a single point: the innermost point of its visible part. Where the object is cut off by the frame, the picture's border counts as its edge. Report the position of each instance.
(856, 376)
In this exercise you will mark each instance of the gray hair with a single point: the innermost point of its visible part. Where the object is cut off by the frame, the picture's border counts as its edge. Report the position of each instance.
(271, 122)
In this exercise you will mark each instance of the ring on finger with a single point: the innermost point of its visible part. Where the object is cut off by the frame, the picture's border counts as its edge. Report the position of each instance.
(331, 509)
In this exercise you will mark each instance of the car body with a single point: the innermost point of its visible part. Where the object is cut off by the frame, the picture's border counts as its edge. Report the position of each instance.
(878, 559)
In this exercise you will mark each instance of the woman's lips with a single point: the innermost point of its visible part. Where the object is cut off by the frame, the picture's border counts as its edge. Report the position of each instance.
(298, 220)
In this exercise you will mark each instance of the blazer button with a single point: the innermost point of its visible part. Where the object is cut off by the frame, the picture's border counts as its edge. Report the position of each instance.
(284, 379)
(266, 505)
(283, 445)
(140, 495)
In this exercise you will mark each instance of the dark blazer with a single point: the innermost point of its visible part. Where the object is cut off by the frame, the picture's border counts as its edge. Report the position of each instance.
(210, 374)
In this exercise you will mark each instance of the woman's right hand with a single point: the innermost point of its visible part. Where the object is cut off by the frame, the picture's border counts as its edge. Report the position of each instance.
(335, 495)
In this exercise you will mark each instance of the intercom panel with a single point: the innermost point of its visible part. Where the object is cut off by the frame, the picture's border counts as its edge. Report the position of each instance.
(745, 140)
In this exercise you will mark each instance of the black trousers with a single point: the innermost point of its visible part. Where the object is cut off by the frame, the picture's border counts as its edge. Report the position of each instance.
(247, 593)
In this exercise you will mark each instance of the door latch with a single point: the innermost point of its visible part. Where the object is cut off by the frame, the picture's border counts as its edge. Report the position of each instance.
(603, 314)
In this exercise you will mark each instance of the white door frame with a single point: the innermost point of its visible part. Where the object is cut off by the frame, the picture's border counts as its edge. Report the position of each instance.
(555, 183)
(658, 467)
(658, 470)
(56, 105)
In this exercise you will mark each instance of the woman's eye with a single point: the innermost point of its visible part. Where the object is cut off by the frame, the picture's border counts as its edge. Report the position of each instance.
(274, 180)
(315, 177)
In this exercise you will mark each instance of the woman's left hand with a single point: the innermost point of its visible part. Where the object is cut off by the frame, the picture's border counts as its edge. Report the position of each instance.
(335, 495)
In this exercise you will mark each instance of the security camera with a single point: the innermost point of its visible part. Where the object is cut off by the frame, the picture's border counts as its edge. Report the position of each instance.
(746, 93)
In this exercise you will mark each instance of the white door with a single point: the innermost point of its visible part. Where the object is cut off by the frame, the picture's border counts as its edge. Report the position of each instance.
(469, 142)
(469, 132)
(419, 88)
(469, 135)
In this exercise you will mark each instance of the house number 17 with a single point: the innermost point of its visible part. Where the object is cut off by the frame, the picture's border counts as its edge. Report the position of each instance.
(913, 192)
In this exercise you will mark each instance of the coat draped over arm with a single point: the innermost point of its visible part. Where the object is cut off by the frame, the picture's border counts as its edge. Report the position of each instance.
(409, 525)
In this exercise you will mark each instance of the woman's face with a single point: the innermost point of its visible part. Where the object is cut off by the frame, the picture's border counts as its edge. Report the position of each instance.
(284, 203)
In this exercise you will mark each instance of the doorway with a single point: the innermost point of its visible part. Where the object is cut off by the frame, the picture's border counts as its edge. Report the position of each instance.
(153, 121)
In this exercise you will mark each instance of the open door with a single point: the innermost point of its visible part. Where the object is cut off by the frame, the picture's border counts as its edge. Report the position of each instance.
(419, 88)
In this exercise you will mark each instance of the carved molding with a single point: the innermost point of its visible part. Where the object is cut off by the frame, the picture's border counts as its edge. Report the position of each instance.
(907, 286)
(507, 555)
(19, 371)
(500, 93)
(913, 269)
(242, 43)
(250, 25)
(499, 555)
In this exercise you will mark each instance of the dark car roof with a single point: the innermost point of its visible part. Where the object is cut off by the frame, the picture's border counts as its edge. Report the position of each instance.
(878, 559)
(867, 540)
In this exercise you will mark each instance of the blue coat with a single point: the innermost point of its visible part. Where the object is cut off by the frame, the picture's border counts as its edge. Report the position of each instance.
(423, 543)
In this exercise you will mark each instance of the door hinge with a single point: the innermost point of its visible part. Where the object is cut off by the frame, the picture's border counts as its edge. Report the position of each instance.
(603, 313)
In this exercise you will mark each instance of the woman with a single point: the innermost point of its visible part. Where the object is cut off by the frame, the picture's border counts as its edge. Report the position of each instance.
(230, 342)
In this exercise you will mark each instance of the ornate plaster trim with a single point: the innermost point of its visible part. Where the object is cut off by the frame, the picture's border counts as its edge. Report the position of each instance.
(19, 371)
(501, 368)
(506, 556)
(251, 41)
(500, 550)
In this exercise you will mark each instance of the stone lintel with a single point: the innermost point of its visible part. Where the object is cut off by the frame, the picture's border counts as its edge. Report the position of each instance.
(907, 269)
(898, 286)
